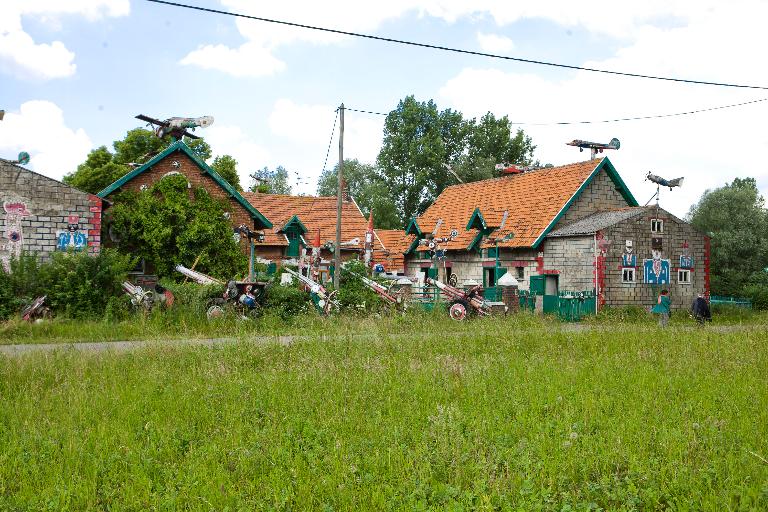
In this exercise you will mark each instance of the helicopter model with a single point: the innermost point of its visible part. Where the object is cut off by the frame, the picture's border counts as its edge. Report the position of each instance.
(177, 127)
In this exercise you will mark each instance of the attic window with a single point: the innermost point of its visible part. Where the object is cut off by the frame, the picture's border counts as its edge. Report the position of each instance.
(657, 225)
(684, 276)
(628, 275)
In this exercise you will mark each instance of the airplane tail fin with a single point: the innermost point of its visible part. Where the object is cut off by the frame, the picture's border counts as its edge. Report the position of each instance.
(677, 182)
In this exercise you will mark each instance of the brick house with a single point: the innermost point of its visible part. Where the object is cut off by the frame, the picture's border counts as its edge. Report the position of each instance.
(297, 219)
(41, 215)
(575, 227)
(179, 159)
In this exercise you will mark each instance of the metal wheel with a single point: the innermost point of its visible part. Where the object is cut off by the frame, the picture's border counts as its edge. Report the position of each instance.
(214, 311)
(453, 280)
(458, 310)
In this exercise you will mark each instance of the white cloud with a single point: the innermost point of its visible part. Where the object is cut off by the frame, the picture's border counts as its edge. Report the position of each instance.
(21, 56)
(247, 60)
(38, 128)
(493, 43)
(596, 16)
(709, 149)
(231, 140)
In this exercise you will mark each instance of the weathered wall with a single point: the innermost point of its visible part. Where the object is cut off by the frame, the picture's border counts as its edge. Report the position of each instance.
(469, 265)
(600, 194)
(574, 260)
(638, 229)
(36, 214)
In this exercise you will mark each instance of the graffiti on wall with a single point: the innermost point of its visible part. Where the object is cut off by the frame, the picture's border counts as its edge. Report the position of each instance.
(13, 236)
(628, 258)
(686, 260)
(71, 238)
(656, 270)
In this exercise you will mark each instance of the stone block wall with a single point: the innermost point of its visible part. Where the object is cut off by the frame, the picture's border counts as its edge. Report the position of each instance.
(41, 215)
(574, 260)
(600, 194)
(676, 233)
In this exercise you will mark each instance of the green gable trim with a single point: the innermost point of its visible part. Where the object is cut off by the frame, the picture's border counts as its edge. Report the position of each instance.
(413, 228)
(606, 164)
(476, 221)
(294, 223)
(475, 243)
(261, 221)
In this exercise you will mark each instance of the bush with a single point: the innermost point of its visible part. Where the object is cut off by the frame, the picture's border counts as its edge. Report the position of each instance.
(286, 301)
(79, 285)
(21, 286)
(354, 296)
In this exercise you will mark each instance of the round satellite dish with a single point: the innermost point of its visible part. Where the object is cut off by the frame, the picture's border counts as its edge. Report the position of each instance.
(454, 233)
(23, 158)
(615, 143)
(205, 121)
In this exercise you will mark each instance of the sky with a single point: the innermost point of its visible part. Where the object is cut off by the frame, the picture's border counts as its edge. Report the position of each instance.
(74, 74)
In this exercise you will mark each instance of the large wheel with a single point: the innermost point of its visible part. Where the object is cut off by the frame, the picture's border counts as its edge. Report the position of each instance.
(459, 309)
(214, 311)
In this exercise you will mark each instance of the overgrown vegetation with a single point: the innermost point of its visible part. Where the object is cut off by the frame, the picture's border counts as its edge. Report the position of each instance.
(77, 285)
(498, 416)
(166, 227)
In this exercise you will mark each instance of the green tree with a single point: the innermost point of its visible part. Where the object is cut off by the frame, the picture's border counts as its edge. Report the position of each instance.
(735, 218)
(270, 182)
(226, 166)
(166, 227)
(367, 188)
(421, 143)
(97, 172)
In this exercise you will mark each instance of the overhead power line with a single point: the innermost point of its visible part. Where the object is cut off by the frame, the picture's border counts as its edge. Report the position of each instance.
(455, 50)
(617, 120)
(333, 130)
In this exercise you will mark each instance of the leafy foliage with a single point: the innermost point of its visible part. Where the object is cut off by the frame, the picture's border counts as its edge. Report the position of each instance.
(354, 296)
(226, 166)
(368, 189)
(270, 182)
(77, 285)
(169, 225)
(102, 167)
(286, 301)
(737, 221)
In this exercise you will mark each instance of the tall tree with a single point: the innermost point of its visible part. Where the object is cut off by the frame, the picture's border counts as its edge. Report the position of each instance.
(226, 166)
(102, 167)
(270, 182)
(366, 187)
(421, 143)
(735, 218)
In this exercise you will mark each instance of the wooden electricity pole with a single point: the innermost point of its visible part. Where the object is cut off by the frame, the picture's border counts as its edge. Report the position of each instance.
(339, 193)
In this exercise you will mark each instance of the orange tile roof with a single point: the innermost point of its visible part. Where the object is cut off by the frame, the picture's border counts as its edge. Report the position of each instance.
(396, 242)
(315, 213)
(533, 200)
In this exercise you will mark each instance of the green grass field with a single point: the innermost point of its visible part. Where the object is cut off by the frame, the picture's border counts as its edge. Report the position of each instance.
(510, 415)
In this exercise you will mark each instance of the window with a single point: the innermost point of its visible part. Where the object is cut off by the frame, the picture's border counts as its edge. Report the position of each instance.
(628, 275)
(519, 273)
(657, 225)
(684, 276)
(293, 244)
(492, 252)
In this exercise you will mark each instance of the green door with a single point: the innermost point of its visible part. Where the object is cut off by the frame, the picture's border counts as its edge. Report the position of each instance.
(537, 285)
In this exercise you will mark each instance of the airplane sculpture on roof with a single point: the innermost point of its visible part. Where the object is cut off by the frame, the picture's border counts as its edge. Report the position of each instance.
(594, 147)
(177, 127)
(664, 182)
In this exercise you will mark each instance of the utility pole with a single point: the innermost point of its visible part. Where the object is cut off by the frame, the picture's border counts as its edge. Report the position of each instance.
(340, 179)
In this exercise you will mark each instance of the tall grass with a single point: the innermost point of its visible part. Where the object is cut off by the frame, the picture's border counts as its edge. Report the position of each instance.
(494, 418)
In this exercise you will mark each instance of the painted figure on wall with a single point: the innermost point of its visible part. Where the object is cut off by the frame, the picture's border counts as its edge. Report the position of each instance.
(13, 237)
(72, 238)
(656, 270)
(628, 259)
(686, 260)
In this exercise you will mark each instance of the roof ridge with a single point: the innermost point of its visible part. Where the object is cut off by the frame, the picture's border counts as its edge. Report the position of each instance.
(526, 173)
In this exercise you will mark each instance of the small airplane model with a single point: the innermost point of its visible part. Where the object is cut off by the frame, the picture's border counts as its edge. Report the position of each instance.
(662, 182)
(177, 127)
(594, 147)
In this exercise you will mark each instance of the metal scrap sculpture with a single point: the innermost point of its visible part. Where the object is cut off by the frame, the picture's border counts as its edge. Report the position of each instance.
(36, 311)
(242, 296)
(395, 299)
(177, 127)
(368, 256)
(463, 303)
(147, 299)
(323, 300)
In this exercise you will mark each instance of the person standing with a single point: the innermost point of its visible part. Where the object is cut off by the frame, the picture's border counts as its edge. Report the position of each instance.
(662, 308)
(700, 310)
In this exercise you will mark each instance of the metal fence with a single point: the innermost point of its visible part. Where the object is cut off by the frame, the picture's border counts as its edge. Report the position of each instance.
(730, 301)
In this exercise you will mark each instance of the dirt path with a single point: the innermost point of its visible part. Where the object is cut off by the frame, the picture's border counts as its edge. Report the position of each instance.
(124, 346)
